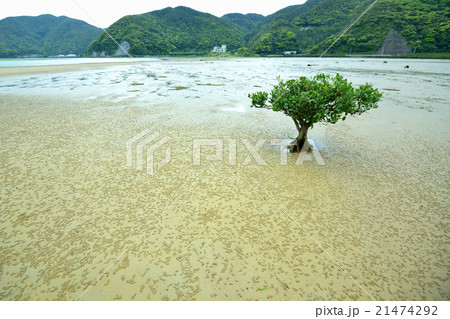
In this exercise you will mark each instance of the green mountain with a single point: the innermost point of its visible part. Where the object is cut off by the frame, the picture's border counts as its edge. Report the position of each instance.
(179, 29)
(312, 27)
(424, 24)
(389, 26)
(248, 24)
(44, 35)
(279, 32)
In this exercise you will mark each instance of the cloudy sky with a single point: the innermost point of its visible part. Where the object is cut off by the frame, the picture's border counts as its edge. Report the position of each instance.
(103, 13)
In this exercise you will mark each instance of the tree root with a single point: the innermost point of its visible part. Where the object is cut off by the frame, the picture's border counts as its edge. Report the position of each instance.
(295, 147)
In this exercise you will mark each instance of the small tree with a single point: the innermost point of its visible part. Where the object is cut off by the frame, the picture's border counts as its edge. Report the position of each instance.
(320, 99)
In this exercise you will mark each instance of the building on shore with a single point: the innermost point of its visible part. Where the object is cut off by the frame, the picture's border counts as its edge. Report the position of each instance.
(222, 49)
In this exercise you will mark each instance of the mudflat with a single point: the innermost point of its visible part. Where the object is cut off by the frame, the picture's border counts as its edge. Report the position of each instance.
(77, 224)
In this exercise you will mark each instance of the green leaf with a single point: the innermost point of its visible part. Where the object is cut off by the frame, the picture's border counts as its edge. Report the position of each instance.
(319, 99)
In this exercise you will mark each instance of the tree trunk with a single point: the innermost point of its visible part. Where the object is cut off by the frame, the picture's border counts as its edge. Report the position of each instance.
(301, 139)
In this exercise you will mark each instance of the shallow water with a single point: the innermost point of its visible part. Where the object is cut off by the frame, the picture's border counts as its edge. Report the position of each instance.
(67, 61)
(76, 223)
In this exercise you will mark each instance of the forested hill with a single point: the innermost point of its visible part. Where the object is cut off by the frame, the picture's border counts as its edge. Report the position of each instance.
(179, 29)
(420, 25)
(303, 26)
(248, 24)
(307, 28)
(313, 26)
(424, 24)
(44, 35)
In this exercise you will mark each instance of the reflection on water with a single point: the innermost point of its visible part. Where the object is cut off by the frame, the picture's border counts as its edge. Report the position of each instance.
(76, 223)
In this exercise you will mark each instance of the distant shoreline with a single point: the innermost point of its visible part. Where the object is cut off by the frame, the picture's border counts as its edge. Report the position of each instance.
(17, 70)
(439, 55)
(41, 69)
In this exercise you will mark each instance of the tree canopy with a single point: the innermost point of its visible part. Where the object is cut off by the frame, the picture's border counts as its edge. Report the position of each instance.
(169, 30)
(44, 35)
(320, 99)
(425, 24)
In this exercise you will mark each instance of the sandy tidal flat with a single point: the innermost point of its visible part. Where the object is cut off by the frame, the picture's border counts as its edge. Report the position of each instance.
(76, 223)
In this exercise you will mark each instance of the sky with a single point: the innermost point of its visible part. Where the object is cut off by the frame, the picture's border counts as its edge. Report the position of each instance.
(102, 13)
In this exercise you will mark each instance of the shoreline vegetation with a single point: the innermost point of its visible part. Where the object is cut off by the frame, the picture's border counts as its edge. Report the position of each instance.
(437, 55)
